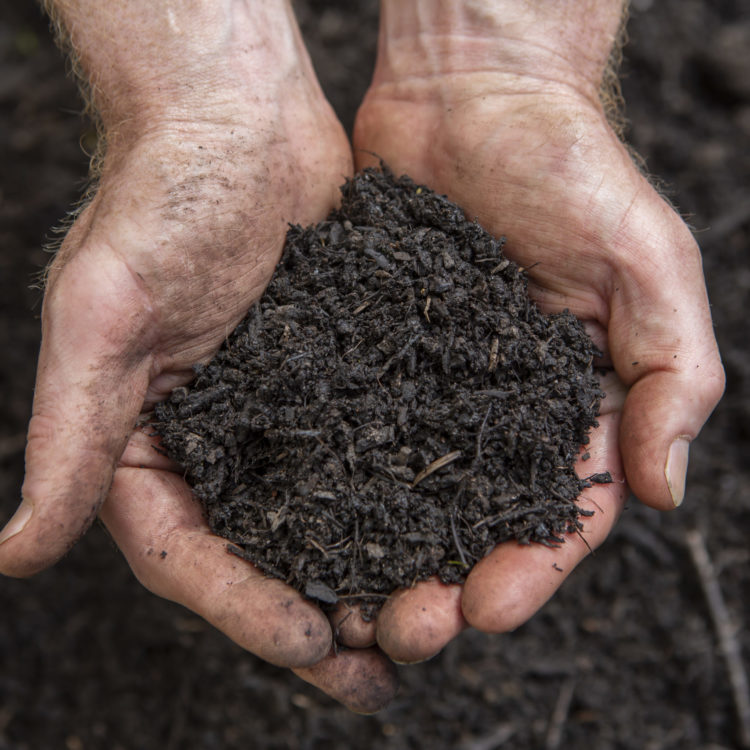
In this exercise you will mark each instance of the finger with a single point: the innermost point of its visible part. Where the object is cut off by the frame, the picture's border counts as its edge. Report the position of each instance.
(415, 624)
(663, 347)
(350, 629)
(160, 529)
(363, 679)
(94, 368)
(144, 451)
(509, 585)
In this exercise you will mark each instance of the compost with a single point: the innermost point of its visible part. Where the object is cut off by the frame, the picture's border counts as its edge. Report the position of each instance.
(392, 408)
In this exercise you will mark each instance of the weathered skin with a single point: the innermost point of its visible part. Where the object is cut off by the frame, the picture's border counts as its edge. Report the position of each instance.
(496, 104)
(217, 136)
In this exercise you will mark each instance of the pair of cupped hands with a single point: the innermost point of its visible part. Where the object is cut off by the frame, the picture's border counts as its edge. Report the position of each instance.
(184, 230)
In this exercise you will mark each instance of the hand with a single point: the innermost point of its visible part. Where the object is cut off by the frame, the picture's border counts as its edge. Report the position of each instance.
(499, 109)
(204, 168)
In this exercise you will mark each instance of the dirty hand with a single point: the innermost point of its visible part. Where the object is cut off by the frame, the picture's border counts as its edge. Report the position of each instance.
(496, 104)
(217, 135)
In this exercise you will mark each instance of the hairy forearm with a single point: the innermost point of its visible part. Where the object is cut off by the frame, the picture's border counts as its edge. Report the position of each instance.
(570, 39)
(141, 58)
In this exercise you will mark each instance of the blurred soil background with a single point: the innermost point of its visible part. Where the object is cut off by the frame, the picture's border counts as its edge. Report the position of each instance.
(626, 656)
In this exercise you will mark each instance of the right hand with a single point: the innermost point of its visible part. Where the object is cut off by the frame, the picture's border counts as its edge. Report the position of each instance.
(496, 104)
(180, 239)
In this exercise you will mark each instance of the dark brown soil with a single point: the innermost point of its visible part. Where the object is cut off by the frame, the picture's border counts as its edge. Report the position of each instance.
(625, 657)
(393, 408)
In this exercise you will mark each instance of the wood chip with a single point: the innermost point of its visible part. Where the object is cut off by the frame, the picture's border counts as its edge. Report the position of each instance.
(437, 464)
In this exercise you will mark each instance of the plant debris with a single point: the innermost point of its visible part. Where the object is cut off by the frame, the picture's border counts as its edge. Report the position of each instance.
(393, 407)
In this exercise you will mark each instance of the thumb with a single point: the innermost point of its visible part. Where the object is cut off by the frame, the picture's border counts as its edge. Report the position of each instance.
(93, 372)
(663, 347)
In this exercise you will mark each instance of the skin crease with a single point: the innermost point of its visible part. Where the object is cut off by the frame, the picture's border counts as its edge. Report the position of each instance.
(218, 135)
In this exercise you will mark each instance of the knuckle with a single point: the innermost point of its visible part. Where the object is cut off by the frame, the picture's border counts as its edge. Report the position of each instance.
(484, 614)
(380, 689)
(715, 382)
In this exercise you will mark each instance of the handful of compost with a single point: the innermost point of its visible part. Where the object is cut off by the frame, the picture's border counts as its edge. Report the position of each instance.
(393, 407)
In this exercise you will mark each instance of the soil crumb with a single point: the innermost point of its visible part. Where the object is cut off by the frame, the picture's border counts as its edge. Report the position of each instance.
(392, 408)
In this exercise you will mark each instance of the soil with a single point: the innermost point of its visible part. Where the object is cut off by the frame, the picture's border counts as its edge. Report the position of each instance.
(393, 408)
(626, 656)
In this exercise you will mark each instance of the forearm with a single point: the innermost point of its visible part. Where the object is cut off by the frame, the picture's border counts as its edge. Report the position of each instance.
(144, 58)
(570, 39)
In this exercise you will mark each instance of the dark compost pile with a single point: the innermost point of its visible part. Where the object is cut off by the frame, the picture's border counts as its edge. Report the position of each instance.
(393, 407)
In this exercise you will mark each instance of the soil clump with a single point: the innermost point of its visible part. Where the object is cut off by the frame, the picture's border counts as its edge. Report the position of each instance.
(393, 407)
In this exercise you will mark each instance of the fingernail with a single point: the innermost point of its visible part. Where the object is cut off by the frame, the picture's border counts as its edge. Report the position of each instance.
(16, 524)
(676, 468)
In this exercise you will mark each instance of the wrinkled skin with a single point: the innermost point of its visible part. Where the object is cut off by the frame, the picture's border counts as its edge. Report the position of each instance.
(181, 238)
(533, 158)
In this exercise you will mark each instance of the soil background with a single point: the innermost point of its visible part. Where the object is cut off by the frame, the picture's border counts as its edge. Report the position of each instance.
(625, 656)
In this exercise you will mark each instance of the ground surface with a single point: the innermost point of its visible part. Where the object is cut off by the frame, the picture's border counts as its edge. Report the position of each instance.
(626, 656)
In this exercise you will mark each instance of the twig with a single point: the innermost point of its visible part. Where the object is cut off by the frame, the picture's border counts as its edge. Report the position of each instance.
(727, 632)
(481, 432)
(585, 541)
(438, 463)
(494, 356)
(560, 714)
(457, 541)
(337, 630)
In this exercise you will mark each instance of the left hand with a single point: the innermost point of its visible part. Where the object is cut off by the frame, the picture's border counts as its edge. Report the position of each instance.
(530, 154)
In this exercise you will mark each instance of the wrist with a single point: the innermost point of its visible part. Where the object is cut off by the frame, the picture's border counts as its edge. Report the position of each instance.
(144, 63)
(545, 43)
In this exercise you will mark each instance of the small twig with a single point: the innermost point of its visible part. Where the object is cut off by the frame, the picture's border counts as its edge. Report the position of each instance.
(438, 463)
(318, 546)
(337, 630)
(457, 542)
(585, 541)
(494, 354)
(481, 432)
(727, 632)
(560, 714)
